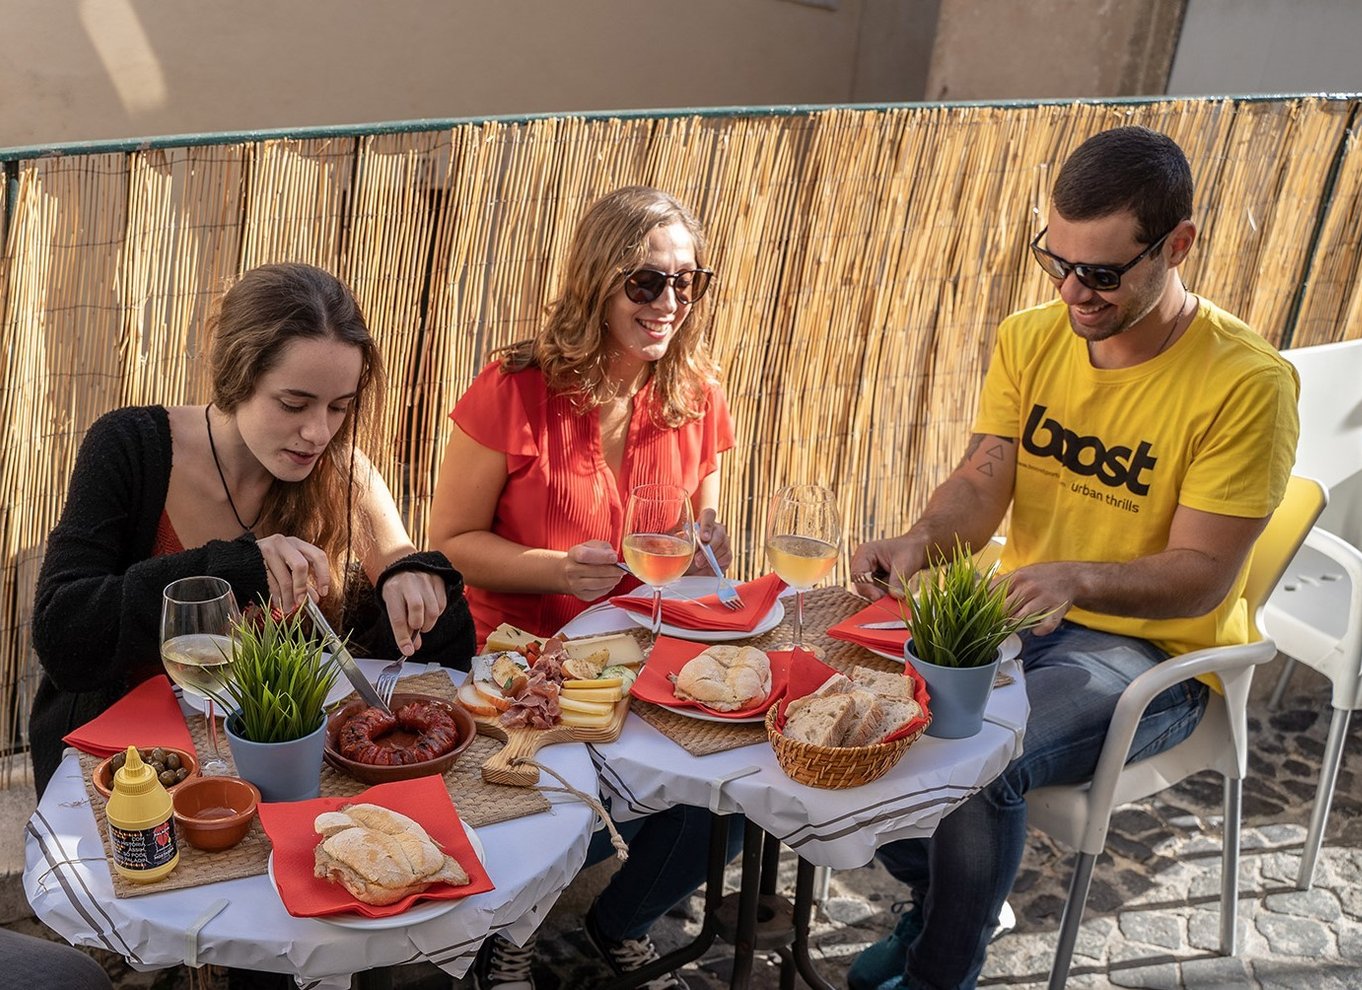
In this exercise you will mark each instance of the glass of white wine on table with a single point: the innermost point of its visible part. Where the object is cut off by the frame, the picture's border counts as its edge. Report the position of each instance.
(803, 542)
(659, 539)
(197, 616)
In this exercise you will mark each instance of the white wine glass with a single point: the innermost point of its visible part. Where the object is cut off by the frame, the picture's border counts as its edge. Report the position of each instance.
(803, 542)
(659, 539)
(197, 617)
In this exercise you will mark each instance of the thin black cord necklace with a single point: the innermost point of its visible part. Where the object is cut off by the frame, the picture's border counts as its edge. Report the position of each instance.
(223, 478)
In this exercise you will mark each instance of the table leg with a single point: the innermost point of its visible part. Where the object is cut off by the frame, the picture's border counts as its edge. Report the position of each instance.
(373, 979)
(744, 936)
(803, 912)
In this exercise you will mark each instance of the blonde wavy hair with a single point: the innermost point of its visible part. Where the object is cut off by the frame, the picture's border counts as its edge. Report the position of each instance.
(257, 318)
(573, 349)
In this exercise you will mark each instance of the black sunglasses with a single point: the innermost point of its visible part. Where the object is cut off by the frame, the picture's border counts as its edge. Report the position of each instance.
(643, 285)
(1099, 278)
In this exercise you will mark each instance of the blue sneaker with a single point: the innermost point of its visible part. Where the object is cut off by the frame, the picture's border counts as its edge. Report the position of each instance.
(885, 960)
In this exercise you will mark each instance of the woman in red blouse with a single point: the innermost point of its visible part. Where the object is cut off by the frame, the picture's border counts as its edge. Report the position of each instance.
(617, 390)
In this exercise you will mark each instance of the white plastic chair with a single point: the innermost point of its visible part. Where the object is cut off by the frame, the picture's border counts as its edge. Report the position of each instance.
(1079, 816)
(1315, 612)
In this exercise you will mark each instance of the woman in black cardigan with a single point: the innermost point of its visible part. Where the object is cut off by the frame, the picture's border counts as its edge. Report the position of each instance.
(265, 486)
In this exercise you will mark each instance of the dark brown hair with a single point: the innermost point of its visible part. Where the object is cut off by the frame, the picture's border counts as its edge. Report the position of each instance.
(573, 347)
(1127, 168)
(257, 318)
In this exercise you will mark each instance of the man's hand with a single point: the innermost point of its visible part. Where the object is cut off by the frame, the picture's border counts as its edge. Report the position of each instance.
(1043, 588)
(882, 567)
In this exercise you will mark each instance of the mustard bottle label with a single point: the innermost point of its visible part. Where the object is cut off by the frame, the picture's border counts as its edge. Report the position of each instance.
(143, 848)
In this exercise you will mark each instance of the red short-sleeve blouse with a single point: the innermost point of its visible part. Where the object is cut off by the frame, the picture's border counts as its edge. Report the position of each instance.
(559, 490)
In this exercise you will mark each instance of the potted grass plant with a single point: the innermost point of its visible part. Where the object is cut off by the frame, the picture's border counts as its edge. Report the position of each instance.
(275, 690)
(958, 619)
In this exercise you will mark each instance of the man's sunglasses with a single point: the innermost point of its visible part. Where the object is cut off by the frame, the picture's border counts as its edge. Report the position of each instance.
(1099, 278)
(643, 285)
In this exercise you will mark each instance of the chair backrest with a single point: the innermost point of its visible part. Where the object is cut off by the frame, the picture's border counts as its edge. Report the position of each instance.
(1330, 447)
(1302, 504)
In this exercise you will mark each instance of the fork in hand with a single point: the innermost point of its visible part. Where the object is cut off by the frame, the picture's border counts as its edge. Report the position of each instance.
(728, 594)
(387, 679)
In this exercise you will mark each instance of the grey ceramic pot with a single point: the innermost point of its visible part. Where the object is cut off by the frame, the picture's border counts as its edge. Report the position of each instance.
(283, 771)
(959, 695)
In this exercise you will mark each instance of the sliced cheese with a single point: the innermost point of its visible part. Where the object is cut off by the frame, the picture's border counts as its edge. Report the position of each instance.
(580, 721)
(608, 695)
(599, 684)
(507, 637)
(623, 648)
(570, 704)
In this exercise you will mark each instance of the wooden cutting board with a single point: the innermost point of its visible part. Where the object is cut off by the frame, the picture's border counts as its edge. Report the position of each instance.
(522, 743)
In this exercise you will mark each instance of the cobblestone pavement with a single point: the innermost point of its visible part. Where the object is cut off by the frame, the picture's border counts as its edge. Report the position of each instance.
(1153, 914)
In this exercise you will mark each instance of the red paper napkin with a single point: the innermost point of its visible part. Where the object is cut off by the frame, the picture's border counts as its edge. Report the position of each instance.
(148, 715)
(423, 799)
(807, 674)
(670, 655)
(707, 613)
(852, 630)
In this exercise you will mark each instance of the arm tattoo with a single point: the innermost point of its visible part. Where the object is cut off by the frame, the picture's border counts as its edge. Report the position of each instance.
(993, 451)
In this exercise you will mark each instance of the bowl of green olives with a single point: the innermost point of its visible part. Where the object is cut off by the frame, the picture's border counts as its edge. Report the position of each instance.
(173, 767)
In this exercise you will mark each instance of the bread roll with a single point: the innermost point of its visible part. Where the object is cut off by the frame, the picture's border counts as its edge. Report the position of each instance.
(380, 856)
(725, 678)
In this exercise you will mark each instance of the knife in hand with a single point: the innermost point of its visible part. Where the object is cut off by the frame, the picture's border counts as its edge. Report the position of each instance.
(343, 658)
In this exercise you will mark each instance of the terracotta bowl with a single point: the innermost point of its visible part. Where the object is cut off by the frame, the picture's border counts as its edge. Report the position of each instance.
(370, 773)
(102, 777)
(214, 813)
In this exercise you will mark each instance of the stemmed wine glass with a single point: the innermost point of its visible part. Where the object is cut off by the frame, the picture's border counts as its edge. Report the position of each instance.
(197, 616)
(803, 541)
(659, 539)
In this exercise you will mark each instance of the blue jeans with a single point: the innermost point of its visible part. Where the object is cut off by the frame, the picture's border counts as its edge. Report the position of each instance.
(964, 872)
(668, 860)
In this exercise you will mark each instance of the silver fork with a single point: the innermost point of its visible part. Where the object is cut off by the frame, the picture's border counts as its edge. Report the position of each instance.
(727, 592)
(387, 679)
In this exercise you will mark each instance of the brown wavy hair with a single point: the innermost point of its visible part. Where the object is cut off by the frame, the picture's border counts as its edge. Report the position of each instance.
(572, 348)
(257, 318)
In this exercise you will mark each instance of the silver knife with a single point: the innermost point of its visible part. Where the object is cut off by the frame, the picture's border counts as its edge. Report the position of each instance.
(343, 658)
(893, 624)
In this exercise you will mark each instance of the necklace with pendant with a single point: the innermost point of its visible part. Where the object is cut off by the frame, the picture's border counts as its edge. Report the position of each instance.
(223, 478)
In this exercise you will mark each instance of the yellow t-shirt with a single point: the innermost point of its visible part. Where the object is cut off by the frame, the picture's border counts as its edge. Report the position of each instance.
(1104, 457)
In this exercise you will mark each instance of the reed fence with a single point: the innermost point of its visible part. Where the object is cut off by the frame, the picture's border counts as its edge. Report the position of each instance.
(865, 256)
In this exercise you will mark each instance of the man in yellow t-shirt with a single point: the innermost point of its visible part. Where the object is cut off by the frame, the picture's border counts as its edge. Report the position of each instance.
(1142, 437)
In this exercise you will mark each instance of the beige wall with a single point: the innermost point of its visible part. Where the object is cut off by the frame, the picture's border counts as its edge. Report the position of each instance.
(78, 70)
(1003, 49)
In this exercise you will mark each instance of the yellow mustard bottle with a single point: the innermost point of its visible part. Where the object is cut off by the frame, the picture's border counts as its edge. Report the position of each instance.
(141, 823)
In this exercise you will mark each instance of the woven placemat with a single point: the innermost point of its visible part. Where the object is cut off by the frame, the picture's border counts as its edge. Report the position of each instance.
(479, 803)
(823, 608)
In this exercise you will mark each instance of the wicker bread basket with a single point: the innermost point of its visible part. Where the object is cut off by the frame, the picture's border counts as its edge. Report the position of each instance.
(838, 766)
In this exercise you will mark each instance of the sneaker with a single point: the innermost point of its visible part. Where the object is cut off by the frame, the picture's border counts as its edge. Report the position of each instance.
(885, 960)
(630, 954)
(1007, 920)
(503, 965)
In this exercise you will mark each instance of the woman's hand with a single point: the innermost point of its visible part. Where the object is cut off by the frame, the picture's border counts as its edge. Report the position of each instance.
(590, 570)
(291, 565)
(414, 600)
(712, 532)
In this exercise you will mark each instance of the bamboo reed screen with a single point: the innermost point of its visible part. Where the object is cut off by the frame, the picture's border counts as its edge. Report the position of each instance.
(864, 257)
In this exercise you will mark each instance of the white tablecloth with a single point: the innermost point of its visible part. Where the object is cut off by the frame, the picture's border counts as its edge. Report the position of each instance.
(643, 771)
(67, 880)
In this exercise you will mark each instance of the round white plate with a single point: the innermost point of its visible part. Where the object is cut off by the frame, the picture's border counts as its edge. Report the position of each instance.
(193, 703)
(414, 915)
(704, 716)
(698, 586)
(1010, 649)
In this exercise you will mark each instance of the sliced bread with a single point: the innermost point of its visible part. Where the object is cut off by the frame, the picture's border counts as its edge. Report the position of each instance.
(868, 726)
(896, 714)
(884, 684)
(820, 721)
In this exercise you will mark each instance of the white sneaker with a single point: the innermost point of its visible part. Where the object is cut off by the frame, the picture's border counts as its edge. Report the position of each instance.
(629, 955)
(503, 965)
(1007, 920)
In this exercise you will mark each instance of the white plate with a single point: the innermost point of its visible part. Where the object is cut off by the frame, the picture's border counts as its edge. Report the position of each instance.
(698, 586)
(704, 716)
(1010, 649)
(193, 703)
(414, 915)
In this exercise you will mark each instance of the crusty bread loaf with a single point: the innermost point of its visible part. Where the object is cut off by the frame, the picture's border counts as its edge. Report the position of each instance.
(380, 856)
(725, 678)
(820, 721)
(883, 684)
